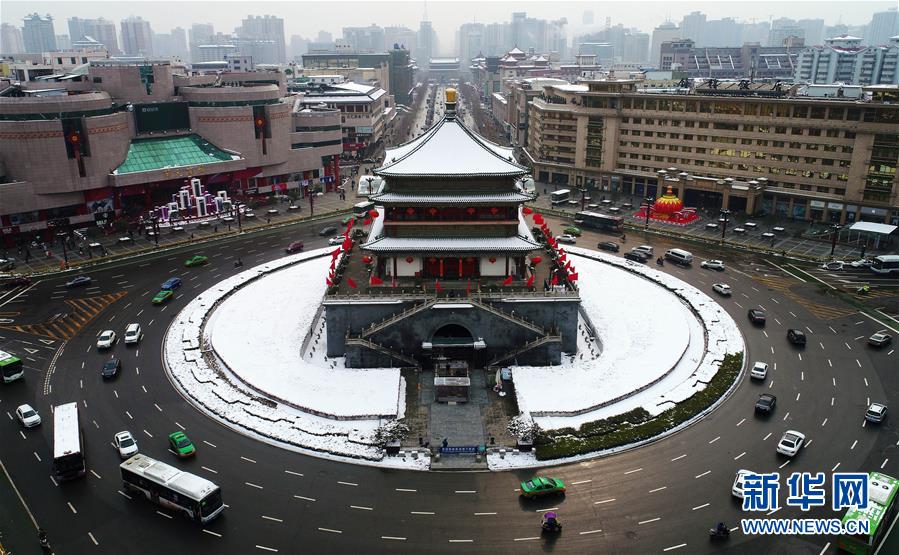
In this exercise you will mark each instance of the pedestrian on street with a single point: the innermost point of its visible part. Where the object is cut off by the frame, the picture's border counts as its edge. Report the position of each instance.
(215, 228)
(27, 254)
(445, 442)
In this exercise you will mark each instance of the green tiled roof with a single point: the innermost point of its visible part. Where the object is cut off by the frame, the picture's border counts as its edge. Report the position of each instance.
(170, 152)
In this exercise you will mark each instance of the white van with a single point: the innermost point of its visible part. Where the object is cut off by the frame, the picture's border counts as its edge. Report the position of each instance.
(679, 256)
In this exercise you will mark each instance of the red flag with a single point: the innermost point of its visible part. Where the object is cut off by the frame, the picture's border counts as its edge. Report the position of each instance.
(531, 281)
(572, 277)
(335, 253)
(437, 285)
(555, 280)
(526, 211)
(561, 250)
(333, 260)
(375, 280)
(351, 283)
(347, 244)
(366, 221)
(568, 266)
(373, 213)
(538, 219)
(328, 282)
(351, 223)
(507, 281)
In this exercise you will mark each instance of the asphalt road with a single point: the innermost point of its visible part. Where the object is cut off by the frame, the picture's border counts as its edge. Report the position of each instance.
(660, 497)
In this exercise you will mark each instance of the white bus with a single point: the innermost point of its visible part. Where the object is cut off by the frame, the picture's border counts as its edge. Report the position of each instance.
(197, 498)
(68, 446)
(886, 264)
(559, 197)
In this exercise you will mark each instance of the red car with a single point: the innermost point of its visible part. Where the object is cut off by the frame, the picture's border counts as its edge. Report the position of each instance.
(17, 281)
(296, 246)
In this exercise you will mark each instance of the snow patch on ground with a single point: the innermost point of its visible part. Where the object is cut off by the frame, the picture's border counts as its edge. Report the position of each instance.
(213, 389)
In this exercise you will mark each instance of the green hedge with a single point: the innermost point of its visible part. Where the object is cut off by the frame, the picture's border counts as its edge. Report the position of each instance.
(636, 425)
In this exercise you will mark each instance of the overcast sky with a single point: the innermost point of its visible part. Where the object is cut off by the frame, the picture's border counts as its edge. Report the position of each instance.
(307, 18)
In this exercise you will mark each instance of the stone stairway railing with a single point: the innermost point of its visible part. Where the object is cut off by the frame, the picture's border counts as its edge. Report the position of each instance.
(377, 347)
(526, 347)
(391, 320)
(506, 316)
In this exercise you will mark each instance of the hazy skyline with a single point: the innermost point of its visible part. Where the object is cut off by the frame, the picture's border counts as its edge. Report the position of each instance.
(307, 18)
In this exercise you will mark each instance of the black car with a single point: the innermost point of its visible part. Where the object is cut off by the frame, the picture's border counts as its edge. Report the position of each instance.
(636, 256)
(765, 403)
(757, 316)
(608, 246)
(326, 231)
(111, 368)
(16, 281)
(796, 337)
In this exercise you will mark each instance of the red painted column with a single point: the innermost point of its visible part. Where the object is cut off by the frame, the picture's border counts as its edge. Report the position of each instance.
(441, 267)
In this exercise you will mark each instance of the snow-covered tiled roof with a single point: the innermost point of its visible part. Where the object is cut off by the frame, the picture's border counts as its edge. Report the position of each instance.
(450, 149)
(451, 244)
(485, 198)
(515, 50)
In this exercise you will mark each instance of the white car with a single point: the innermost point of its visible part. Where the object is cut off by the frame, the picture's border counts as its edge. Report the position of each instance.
(791, 442)
(643, 248)
(722, 289)
(737, 488)
(126, 444)
(106, 339)
(759, 371)
(861, 263)
(566, 238)
(133, 334)
(832, 266)
(28, 416)
(712, 265)
(876, 413)
(336, 240)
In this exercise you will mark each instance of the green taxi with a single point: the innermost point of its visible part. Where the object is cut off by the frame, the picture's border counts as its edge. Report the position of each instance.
(573, 230)
(542, 485)
(181, 445)
(197, 260)
(162, 296)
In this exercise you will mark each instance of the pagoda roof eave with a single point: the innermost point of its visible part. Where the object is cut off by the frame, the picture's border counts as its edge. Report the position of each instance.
(389, 198)
(401, 245)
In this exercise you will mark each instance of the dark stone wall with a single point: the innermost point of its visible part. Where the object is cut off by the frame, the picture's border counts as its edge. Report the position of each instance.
(407, 335)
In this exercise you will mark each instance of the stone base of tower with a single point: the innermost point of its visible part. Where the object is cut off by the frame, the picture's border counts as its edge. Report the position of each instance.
(488, 330)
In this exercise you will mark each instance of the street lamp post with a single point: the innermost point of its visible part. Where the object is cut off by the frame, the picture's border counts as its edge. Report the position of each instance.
(725, 218)
(649, 201)
(834, 233)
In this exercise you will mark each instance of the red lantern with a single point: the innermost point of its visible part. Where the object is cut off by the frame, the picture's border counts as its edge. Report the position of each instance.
(432, 260)
(471, 210)
(538, 219)
(492, 259)
(494, 210)
(432, 211)
(410, 211)
(367, 259)
(74, 137)
(536, 260)
(409, 260)
(373, 214)
(526, 211)
(260, 121)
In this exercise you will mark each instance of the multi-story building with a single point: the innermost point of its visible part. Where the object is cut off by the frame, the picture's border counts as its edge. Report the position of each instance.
(402, 75)
(844, 60)
(137, 37)
(751, 149)
(426, 43)
(470, 42)
(521, 92)
(11, 41)
(749, 61)
(265, 28)
(403, 36)
(63, 42)
(38, 34)
(364, 110)
(384, 68)
(365, 39)
(629, 45)
(141, 131)
(884, 25)
(33, 66)
(171, 45)
(666, 32)
(101, 30)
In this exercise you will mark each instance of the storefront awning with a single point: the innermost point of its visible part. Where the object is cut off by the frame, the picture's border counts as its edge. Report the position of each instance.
(162, 153)
(872, 227)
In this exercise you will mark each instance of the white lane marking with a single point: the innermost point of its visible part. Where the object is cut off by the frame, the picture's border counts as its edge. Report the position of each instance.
(292, 472)
(650, 520)
(678, 458)
(331, 530)
(253, 485)
(859, 363)
(604, 501)
(703, 474)
(360, 508)
(885, 461)
(484, 514)
(163, 514)
(95, 474)
(463, 490)
(740, 456)
(703, 506)
(854, 443)
(179, 425)
(740, 423)
(772, 511)
(827, 547)
(797, 395)
(129, 415)
(347, 484)
(394, 538)
(211, 533)
(673, 547)
(526, 539)
(632, 471)
(304, 498)
(148, 433)
(54, 481)
(581, 482)
(408, 490)
(786, 416)
(824, 423)
(589, 532)
(248, 460)
(546, 510)
(93, 539)
(714, 440)
(461, 541)
(207, 443)
(866, 382)
(273, 519)
(422, 513)
(207, 469)
(785, 464)
(658, 489)
(262, 547)
(72, 507)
